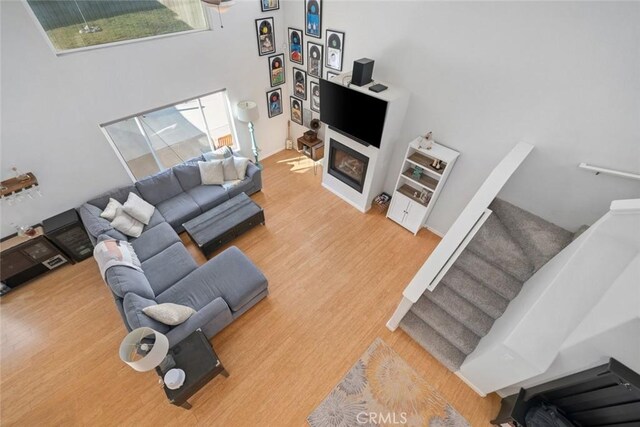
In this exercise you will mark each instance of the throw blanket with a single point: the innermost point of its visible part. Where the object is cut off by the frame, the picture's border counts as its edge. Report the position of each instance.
(109, 253)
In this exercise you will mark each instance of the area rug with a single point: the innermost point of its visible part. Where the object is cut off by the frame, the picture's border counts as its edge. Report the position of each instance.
(381, 389)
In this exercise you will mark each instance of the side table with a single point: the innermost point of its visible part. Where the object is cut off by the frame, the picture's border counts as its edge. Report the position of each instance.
(312, 148)
(195, 356)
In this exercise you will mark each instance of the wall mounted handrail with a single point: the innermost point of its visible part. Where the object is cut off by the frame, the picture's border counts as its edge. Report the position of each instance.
(425, 278)
(599, 170)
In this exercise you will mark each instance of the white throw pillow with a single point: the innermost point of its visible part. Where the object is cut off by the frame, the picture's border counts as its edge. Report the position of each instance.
(219, 154)
(241, 164)
(169, 313)
(110, 212)
(139, 208)
(126, 224)
(229, 169)
(211, 173)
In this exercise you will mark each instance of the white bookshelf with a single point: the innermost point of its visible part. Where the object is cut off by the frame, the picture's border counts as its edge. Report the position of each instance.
(407, 208)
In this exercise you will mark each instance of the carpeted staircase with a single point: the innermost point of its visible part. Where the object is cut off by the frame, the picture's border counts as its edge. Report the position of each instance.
(510, 246)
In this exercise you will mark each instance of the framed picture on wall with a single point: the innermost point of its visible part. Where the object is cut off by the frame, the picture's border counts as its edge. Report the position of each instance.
(314, 93)
(267, 5)
(274, 102)
(331, 75)
(276, 70)
(313, 18)
(265, 35)
(296, 110)
(296, 53)
(335, 49)
(314, 59)
(299, 83)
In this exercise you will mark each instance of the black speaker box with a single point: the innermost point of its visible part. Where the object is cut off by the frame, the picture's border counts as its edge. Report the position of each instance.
(362, 71)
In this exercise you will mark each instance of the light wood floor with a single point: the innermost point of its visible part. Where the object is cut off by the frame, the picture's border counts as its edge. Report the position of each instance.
(335, 276)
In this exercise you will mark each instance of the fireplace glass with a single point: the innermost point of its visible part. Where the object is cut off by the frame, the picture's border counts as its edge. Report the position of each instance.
(347, 165)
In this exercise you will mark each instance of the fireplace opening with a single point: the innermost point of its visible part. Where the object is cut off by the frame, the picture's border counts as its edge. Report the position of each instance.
(347, 165)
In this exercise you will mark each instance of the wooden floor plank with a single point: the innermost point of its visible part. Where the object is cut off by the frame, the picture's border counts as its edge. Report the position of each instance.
(335, 276)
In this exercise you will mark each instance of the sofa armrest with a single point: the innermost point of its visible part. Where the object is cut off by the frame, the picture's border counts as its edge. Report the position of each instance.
(254, 173)
(211, 319)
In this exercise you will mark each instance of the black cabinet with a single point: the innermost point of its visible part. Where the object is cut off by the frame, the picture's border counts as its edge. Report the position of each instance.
(23, 259)
(67, 232)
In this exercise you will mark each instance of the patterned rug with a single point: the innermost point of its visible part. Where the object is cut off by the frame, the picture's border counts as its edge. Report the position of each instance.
(381, 389)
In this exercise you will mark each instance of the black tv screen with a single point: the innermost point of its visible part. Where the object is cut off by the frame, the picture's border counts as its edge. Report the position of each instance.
(355, 114)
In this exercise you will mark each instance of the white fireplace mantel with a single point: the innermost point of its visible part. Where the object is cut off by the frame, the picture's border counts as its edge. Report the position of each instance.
(379, 158)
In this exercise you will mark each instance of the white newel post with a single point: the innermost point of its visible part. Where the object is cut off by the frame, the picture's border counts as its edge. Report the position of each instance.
(403, 308)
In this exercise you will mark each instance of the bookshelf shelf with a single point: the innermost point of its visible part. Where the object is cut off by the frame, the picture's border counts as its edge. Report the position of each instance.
(415, 196)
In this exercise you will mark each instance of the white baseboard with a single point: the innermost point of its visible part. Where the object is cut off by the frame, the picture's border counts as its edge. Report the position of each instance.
(471, 386)
(436, 232)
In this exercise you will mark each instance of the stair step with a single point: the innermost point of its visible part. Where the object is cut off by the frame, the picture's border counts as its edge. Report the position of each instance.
(433, 342)
(579, 232)
(538, 238)
(475, 292)
(493, 243)
(445, 325)
(460, 309)
(489, 275)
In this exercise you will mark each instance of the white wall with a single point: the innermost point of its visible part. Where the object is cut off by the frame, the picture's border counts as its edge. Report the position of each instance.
(51, 106)
(483, 76)
(612, 329)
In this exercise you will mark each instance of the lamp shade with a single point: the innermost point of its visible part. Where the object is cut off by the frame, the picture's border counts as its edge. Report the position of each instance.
(140, 355)
(247, 111)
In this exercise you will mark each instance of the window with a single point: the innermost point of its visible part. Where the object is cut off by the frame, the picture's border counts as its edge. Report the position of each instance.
(156, 140)
(74, 24)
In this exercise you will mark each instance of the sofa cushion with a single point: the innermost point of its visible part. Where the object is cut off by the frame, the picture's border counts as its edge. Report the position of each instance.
(119, 194)
(168, 267)
(154, 240)
(241, 164)
(132, 305)
(178, 210)
(229, 169)
(122, 280)
(126, 224)
(188, 175)
(169, 313)
(159, 187)
(156, 219)
(110, 212)
(210, 318)
(212, 172)
(95, 225)
(230, 275)
(244, 186)
(208, 196)
(139, 208)
(237, 277)
(218, 154)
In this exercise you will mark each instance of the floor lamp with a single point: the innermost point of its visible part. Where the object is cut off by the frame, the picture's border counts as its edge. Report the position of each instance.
(248, 113)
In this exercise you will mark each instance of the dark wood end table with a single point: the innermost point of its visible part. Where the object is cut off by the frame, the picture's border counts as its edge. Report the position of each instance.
(312, 148)
(195, 356)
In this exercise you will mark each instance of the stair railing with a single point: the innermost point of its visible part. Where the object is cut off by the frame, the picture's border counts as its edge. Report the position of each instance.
(460, 233)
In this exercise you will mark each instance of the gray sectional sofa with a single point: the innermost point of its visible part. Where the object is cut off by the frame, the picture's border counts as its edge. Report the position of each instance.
(219, 291)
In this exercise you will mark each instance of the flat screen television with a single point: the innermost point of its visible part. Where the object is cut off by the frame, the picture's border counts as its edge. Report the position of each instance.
(355, 114)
